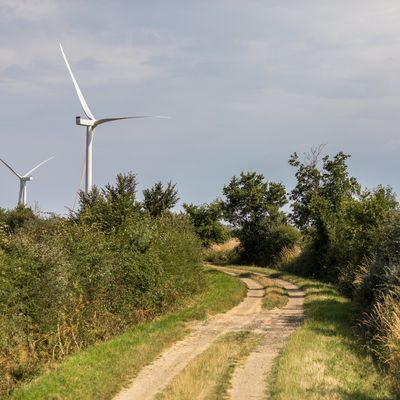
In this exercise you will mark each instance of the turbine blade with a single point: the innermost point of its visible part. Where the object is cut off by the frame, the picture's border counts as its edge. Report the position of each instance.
(85, 107)
(19, 176)
(104, 120)
(37, 166)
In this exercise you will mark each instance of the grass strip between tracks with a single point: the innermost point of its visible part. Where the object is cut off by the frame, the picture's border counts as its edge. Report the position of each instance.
(323, 359)
(276, 296)
(208, 375)
(102, 370)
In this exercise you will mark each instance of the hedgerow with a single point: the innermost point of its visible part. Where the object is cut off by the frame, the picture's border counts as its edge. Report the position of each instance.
(66, 283)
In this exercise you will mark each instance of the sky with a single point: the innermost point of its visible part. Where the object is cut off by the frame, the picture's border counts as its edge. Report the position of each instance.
(245, 82)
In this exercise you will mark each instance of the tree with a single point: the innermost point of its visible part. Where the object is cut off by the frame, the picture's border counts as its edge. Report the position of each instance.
(249, 199)
(344, 224)
(320, 191)
(252, 205)
(157, 200)
(206, 220)
(110, 208)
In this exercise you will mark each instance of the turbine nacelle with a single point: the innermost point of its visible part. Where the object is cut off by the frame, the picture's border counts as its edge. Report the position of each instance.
(26, 178)
(91, 122)
(85, 122)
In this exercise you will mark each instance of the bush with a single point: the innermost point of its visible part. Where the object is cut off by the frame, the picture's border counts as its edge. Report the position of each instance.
(264, 241)
(377, 299)
(65, 284)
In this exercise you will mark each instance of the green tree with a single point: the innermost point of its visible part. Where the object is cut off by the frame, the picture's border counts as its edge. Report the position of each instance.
(157, 200)
(320, 191)
(253, 206)
(206, 220)
(344, 225)
(110, 208)
(248, 198)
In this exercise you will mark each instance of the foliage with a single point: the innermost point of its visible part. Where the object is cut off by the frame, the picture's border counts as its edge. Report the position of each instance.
(352, 238)
(320, 192)
(103, 369)
(65, 284)
(206, 220)
(342, 223)
(18, 217)
(158, 200)
(377, 295)
(252, 205)
(110, 208)
(249, 198)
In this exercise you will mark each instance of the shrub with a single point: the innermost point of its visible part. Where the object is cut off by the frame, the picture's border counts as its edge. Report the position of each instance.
(65, 284)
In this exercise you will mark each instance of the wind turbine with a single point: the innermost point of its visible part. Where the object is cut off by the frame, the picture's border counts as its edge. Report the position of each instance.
(23, 179)
(91, 124)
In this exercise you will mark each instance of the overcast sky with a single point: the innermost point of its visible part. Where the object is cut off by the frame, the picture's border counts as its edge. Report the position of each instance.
(246, 83)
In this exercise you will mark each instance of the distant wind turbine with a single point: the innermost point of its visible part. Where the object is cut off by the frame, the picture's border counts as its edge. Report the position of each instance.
(91, 124)
(23, 179)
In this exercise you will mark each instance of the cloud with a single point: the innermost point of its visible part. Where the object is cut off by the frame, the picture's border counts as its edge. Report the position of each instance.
(29, 10)
(247, 82)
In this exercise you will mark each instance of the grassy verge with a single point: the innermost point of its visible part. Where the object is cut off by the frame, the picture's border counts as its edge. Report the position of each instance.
(322, 359)
(209, 374)
(101, 370)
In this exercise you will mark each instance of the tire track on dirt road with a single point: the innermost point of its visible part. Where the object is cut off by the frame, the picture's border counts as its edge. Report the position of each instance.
(275, 325)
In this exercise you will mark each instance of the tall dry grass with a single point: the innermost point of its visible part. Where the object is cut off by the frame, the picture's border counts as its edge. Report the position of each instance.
(287, 256)
(384, 321)
(225, 253)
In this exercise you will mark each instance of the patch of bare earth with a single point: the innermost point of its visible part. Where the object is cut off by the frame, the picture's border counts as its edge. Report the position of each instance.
(249, 379)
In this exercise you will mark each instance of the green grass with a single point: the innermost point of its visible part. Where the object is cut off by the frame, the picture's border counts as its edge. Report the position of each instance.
(208, 375)
(323, 359)
(100, 371)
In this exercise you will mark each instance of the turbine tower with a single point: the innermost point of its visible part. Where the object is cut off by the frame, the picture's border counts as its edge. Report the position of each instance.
(23, 179)
(91, 124)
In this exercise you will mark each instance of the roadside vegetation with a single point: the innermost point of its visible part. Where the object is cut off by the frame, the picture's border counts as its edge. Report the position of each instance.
(222, 253)
(67, 283)
(323, 358)
(115, 263)
(101, 370)
(337, 232)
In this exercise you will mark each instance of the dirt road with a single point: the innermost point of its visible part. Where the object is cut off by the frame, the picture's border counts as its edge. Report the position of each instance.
(248, 381)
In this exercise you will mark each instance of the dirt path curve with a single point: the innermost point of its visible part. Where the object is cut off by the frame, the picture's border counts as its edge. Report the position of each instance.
(248, 315)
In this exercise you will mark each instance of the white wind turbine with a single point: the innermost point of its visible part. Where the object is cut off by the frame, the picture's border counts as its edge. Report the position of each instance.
(23, 179)
(91, 124)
